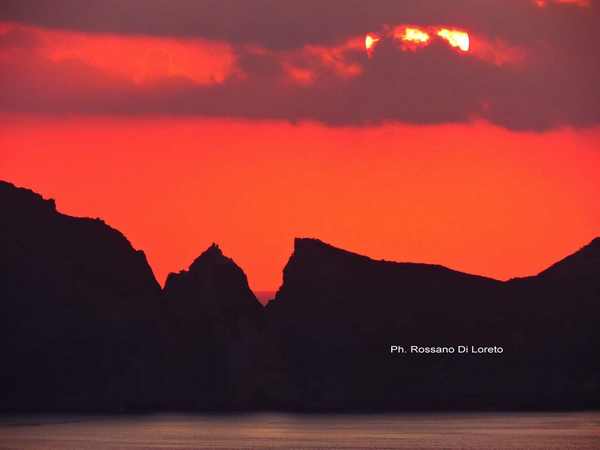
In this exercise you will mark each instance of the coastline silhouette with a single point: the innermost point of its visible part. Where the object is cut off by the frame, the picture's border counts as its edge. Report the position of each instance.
(86, 327)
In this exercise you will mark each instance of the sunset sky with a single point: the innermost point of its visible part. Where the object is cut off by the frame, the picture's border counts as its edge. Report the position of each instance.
(247, 123)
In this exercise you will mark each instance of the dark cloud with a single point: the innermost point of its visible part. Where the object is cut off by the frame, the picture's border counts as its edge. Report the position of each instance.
(285, 24)
(555, 84)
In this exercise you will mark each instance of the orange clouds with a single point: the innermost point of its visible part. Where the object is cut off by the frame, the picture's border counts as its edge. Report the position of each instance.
(146, 59)
(139, 59)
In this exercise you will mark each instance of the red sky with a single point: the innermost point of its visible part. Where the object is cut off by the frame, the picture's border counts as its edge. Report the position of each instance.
(473, 197)
(181, 124)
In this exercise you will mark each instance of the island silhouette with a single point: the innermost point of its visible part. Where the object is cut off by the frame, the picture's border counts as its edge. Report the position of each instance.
(85, 326)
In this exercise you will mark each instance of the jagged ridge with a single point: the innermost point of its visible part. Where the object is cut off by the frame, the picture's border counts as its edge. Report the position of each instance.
(84, 325)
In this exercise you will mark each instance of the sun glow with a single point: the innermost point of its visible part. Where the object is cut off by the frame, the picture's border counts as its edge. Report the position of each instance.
(370, 41)
(415, 35)
(412, 37)
(456, 38)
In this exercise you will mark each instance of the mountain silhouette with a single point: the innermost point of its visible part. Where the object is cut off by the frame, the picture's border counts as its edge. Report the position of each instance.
(340, 312)
(84, 326)
(78, 310)
(214, 327)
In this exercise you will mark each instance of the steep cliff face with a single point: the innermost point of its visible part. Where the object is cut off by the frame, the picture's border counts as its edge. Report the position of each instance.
(340, 312)
(327, 285)
(78, 310)
(316, 265)
(34, 235)
(215, 330)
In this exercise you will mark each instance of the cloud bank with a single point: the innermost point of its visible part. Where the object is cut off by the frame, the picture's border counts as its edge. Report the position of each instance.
(531, 65)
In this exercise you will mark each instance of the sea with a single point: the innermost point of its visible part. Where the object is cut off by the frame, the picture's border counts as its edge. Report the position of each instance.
(497, 431)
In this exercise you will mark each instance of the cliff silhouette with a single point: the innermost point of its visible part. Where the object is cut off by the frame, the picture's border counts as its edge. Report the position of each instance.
(340, 312)
(79, 308)
(84, 326)
(214, 326)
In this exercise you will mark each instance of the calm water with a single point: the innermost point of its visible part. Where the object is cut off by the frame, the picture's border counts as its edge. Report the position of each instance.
(278, 431)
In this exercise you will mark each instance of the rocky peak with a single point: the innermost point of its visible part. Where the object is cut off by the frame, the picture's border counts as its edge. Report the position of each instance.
(211, 256)
(213, 280)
